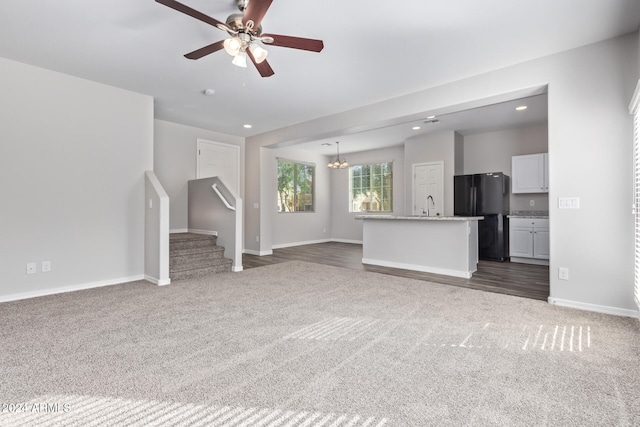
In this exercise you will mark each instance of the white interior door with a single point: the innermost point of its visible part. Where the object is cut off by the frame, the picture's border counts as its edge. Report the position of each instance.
(428, 180)
(221, 160)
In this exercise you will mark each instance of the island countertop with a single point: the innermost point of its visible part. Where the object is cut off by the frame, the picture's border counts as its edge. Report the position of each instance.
(422, 217)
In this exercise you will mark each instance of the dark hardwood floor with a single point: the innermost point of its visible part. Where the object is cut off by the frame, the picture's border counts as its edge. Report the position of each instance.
(523, 280)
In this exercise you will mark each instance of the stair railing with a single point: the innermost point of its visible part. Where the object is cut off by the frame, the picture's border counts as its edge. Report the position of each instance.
(224, 199)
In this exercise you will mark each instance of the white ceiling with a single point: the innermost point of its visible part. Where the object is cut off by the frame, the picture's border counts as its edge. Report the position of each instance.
(374, 50)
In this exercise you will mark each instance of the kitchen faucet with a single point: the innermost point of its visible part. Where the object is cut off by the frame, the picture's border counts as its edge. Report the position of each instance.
(433, 203)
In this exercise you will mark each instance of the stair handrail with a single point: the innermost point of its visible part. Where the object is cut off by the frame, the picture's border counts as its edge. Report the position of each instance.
(224, 199)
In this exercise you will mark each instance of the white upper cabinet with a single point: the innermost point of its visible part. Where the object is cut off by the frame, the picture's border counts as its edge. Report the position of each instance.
(530, 173)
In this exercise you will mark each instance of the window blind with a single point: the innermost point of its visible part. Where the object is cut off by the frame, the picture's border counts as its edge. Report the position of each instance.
(635, 110)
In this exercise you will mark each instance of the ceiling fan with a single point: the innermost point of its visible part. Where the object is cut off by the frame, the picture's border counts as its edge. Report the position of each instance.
(245, 31)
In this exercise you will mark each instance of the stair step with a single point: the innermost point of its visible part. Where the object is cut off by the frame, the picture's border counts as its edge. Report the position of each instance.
(194, 262)
(195, 251)
(195, 255)
(200, 272)
(178, 241)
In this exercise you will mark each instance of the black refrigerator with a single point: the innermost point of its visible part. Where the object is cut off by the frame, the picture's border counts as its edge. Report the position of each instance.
(485, 194)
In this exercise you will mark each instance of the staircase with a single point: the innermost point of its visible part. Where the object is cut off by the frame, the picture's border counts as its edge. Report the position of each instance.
(195, 255)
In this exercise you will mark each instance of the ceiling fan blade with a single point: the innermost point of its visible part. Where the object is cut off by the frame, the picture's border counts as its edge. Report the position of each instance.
(197, 54)
(255, 11)
(263, 67)
(312, 45)
(191, 12)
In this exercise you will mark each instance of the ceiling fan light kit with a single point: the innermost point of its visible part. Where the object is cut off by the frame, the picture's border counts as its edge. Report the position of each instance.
(240, 60)
(245, 31)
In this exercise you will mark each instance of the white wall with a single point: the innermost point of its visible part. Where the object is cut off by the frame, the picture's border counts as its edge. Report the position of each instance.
(73, 154)
(175, 162)
(589, 151)
(289, 229)
(431, 147)
(344, 226)
(492, 152)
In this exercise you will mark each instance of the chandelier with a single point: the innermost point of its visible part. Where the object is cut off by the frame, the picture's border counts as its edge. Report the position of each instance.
(337, 163)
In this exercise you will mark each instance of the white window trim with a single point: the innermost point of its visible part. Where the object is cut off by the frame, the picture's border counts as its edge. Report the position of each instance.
(351, 190)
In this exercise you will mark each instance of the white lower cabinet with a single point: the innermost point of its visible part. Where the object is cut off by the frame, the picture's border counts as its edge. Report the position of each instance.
(529, 240)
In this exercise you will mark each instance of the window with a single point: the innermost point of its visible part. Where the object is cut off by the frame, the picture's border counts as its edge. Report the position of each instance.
(371, 187)
(296, 185)
(635, 110)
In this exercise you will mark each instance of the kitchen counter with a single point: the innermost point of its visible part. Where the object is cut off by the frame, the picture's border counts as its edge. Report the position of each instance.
(529, 214)
(421, 217)
(436, 244)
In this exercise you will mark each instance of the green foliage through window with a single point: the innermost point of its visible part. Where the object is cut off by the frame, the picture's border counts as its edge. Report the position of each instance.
(371, 187)
(296, 185)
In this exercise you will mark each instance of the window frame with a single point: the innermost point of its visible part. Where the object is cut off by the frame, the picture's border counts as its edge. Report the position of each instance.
(296, 185)
(383, 184)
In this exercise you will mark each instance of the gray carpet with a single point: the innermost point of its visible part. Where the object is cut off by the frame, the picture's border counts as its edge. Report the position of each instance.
(303, 344)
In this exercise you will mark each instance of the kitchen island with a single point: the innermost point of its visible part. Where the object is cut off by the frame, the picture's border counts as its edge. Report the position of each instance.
(434, 244)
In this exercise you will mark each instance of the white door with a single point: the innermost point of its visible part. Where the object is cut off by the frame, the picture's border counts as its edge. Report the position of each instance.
(221, 160)
(428, 180)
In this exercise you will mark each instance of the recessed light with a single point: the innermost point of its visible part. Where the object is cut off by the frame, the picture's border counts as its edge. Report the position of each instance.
(431, 117)
(521, 108)
(326, 144)
(209, 92)
(247, 126)
(416, 128)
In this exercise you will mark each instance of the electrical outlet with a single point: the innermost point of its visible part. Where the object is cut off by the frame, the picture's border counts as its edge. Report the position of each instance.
(46, 266)
(563, 273)
(257, 238)
(31, 268)
(532, 202)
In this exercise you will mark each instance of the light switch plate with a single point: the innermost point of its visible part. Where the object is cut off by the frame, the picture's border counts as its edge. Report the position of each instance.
(569, 202)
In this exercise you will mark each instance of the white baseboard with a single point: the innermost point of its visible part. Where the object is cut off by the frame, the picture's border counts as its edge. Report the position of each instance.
(292, 244)
(533, 261)
(623, 312)
(178, 230)
(158, 282)
(207, 232)
(257, 253)
(425, 269)
(64, 289)
(355, 242)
